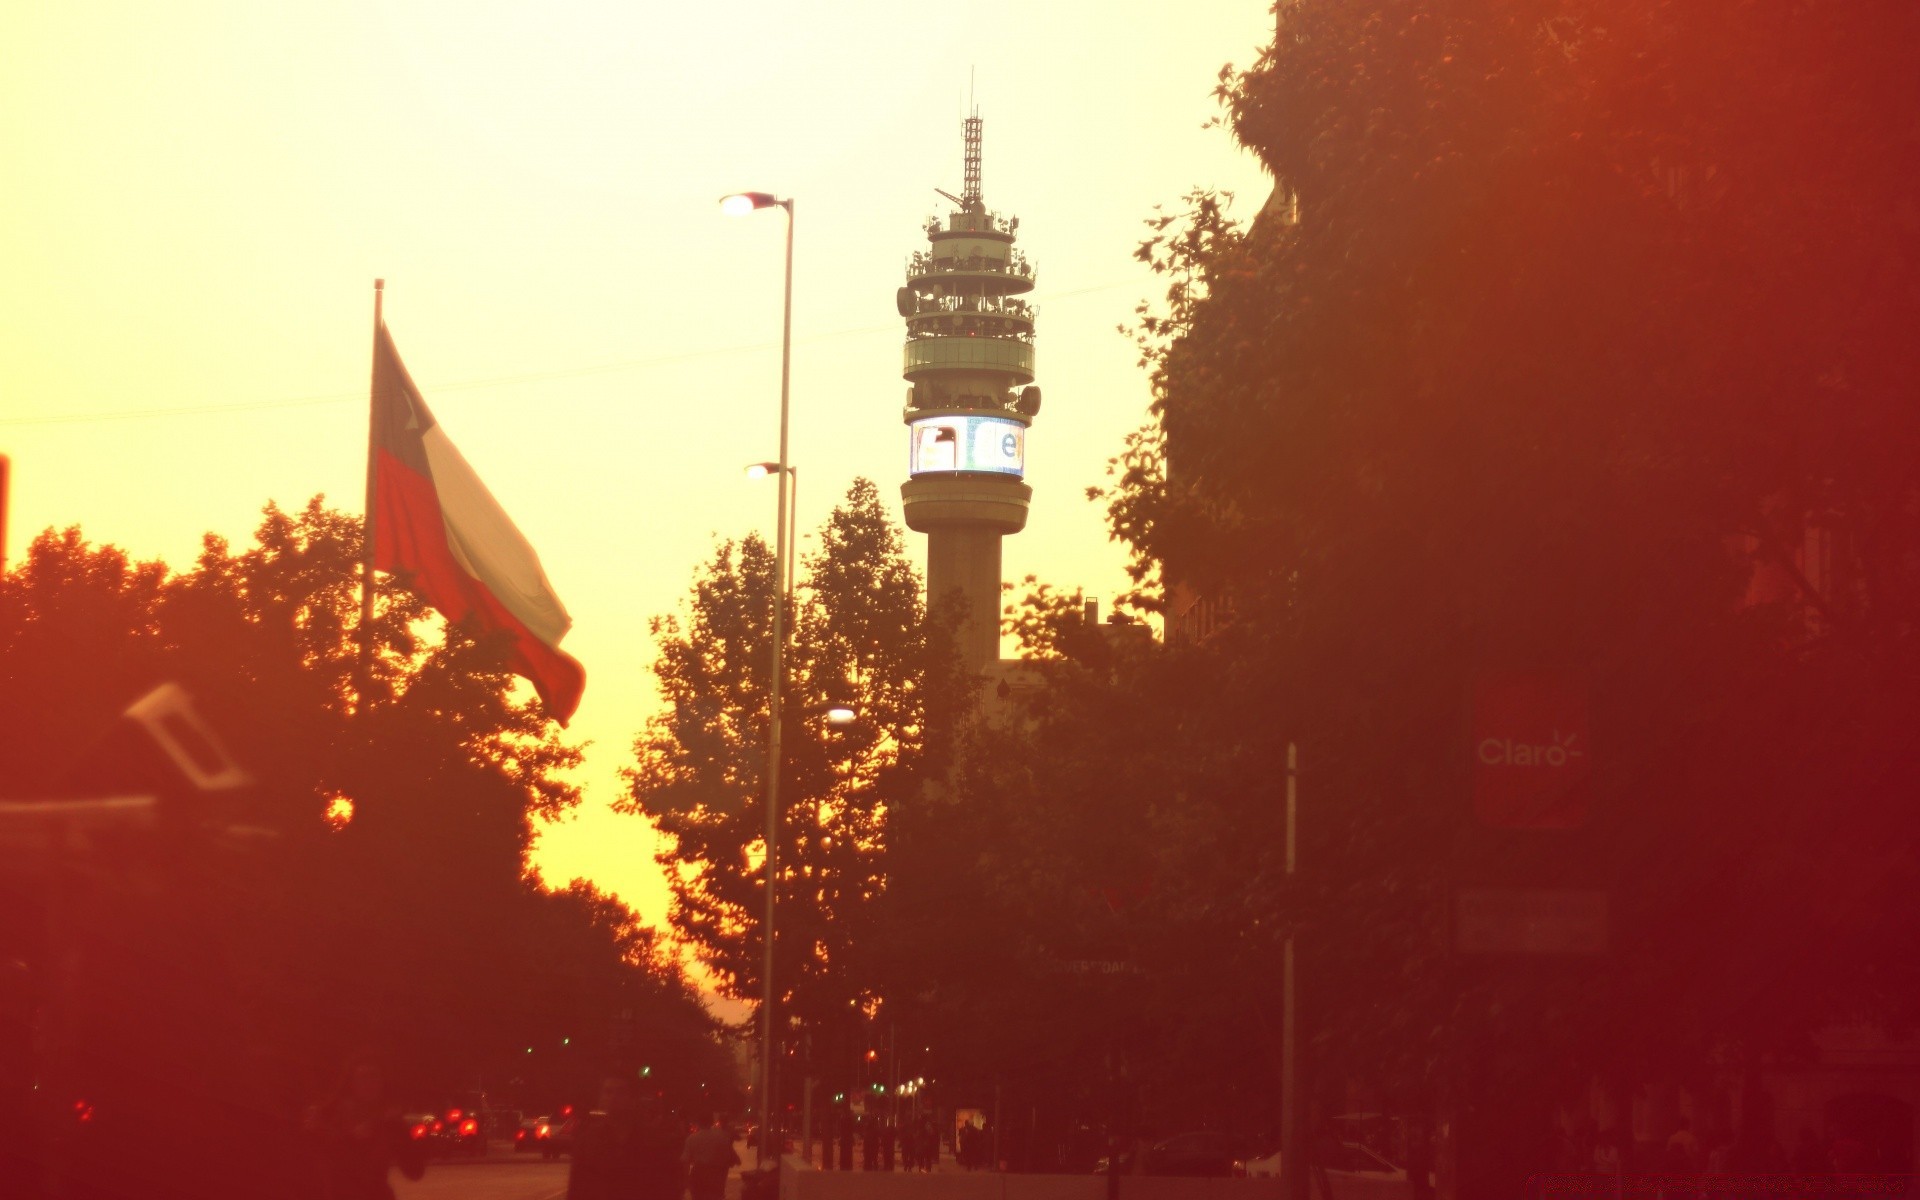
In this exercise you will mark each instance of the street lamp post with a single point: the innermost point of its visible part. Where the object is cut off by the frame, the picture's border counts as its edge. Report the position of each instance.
(739, 205)
(792, 484)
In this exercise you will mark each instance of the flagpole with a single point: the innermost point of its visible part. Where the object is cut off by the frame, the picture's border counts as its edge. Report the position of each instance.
(364, 684)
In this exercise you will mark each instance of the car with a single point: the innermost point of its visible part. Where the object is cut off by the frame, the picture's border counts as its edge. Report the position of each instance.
(560, 1135)
(458, 1133)
(532, 1132)
(536, 1133)
(421, 1126)
(502, 1123)
(1352, 1163)
(1201, 1154)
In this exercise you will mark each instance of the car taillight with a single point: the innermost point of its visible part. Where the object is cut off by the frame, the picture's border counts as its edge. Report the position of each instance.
(420, 1130)
(543, 1131)
(469, 1127)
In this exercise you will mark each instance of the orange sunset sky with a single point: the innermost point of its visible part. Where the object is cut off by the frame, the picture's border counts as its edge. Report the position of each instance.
(200, 193)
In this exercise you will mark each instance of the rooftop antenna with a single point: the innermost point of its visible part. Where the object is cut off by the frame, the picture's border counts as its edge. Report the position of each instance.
(970, 179)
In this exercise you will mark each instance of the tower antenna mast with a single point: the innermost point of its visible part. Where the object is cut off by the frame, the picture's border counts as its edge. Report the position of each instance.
(970, 181)
(970, 401)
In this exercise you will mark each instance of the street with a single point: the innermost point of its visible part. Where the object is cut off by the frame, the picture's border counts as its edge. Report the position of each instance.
(487, 1181)
(497, 1179)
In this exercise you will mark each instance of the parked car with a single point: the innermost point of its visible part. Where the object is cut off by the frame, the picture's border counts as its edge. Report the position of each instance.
(1202, 1154)
(1351, 1162)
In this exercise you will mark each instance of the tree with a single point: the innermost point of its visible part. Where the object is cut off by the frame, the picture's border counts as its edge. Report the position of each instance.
(1565, 325)
(859, 635)
(77, 623)
(393, 910)
(1080, 968)
(608, 995)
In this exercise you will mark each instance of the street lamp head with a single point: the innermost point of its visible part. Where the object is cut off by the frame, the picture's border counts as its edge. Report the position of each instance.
(741, 203)
(761, 470)
(838, 713)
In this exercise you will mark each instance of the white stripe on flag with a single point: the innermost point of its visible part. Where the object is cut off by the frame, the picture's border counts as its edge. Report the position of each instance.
(486, 543)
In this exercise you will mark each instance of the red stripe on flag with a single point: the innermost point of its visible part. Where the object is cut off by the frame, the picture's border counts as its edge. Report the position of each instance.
(410, 539)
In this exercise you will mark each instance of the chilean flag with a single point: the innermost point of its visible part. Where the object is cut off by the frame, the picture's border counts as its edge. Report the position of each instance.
(436, 526)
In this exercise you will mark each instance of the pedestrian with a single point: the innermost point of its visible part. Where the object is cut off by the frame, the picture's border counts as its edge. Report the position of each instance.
(889, 1139)
(928, 1136)
(1420, 1162)
(1683, 1150)
(1852, 1155)
(1326, 1150)
(359, 1139)
(709, 1155)
(1809, 1156)
(1608, 1160)
(626, 1150)
(869, 1143)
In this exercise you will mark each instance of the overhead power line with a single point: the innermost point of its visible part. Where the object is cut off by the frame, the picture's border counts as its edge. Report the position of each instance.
(360, 394)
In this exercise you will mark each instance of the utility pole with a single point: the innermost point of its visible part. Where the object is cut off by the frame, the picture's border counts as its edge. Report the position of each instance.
(1293, 1125)
(806, 1092)
(5, 468)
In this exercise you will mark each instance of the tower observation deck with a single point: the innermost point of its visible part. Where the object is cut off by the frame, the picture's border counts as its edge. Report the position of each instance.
(970, 400)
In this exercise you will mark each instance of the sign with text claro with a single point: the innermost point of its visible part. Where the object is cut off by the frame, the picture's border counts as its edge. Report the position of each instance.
(1531, 765)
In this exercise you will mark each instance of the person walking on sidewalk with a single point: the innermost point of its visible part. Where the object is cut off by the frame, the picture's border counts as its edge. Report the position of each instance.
(361, 1138)
(709, 1155)
(928, 1139)
(626, 1151)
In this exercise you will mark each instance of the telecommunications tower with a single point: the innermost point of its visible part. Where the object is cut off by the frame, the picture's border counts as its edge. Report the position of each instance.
(970, 399)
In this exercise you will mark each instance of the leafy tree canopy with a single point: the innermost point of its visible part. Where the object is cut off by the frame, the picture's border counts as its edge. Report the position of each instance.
(393, 909)
(1573, 338)
(858, 636)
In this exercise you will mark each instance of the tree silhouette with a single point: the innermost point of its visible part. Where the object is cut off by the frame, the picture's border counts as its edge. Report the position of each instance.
(1570, 340)
(392, 908)
(859, 636)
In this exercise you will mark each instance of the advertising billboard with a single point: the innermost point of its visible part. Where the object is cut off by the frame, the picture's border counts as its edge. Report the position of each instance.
(966, 442)
(1531, 769)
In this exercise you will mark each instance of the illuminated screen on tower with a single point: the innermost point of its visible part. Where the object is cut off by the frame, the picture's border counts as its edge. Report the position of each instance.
(956, 442)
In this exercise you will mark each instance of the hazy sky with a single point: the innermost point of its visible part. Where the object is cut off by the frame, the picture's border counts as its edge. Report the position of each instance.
(200, 193)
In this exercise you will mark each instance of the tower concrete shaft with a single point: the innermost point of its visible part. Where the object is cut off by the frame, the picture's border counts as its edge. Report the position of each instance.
(970, 400)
